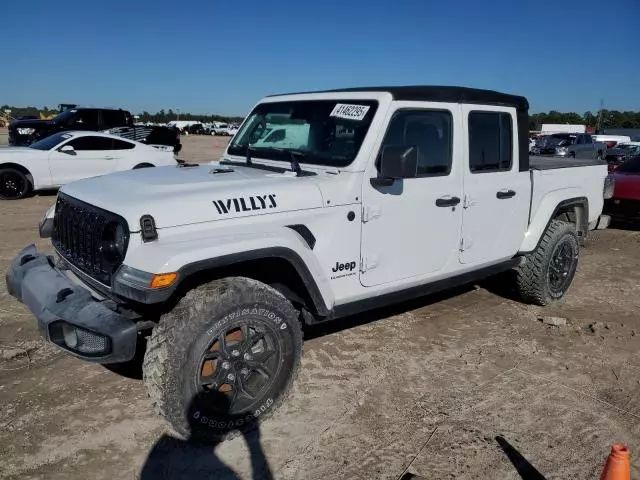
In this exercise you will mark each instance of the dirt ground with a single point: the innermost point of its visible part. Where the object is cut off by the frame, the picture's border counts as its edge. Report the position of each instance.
(468, 385)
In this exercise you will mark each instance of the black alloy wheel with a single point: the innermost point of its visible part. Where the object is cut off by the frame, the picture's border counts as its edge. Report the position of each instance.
(13, 184)
(562, 266)
(242, 363)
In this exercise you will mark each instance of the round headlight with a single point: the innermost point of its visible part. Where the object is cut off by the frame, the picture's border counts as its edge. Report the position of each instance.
(113, 241)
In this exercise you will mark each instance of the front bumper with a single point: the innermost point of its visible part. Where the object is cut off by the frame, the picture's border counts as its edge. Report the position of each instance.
(67, 314)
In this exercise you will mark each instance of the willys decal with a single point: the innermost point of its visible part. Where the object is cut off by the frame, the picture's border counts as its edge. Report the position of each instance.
(246, 204)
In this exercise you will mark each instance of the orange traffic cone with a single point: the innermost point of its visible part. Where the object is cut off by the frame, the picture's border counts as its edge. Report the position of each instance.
(617, 465)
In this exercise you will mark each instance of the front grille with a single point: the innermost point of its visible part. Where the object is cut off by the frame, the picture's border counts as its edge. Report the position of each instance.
(77, 236)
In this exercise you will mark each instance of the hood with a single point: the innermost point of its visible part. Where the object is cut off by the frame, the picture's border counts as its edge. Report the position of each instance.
(186, 195)
(627, 185)
(30, 123)
(13, 150)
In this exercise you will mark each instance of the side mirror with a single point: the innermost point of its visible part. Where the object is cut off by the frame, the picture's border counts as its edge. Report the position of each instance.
(68, 149)
(396, 161)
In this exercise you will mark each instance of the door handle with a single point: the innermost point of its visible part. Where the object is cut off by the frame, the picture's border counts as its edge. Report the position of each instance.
(447, 201)
(109, 158)
(502, 194)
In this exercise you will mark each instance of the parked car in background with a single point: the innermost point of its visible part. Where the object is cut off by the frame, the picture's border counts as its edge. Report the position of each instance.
(195, 129)
(570, 145)
(621, 153)
(625, 203)
(611, 140)
(67, 156)
(109, 120)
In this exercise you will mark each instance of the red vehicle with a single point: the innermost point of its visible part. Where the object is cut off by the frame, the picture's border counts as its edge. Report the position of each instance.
(625, 204)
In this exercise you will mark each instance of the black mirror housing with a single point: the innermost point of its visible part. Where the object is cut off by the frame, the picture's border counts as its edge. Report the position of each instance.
(399, 161)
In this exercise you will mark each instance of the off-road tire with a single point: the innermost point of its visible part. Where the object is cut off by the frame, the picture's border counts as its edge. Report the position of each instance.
(173, 360)
(533, 275)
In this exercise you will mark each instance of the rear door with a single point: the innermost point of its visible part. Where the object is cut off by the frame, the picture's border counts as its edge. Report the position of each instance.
(496, 193)
(92, 156)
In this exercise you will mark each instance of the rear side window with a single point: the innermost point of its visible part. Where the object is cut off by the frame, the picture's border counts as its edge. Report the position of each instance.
(122, 145)
(91, 143)
(588, 139)
(428, 130)
(85, 117)
(113, 118)
(490, 142)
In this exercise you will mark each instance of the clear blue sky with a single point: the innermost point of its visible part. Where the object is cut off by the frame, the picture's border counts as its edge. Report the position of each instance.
(221, 57)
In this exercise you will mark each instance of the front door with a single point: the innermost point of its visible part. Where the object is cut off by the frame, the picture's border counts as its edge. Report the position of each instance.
(496, 201)
(412, 228)
(92, 156)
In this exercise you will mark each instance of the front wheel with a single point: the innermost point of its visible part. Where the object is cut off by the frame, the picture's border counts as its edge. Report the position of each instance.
(14, 184)
(548, 271)
(223, 359)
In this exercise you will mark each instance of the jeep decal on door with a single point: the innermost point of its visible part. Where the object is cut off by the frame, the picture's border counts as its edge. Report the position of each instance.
(246, 204)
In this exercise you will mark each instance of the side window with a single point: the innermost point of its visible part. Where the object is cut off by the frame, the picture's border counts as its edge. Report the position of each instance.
(91, 143)
(490, 141)
(113, 118)
(430, 131)
(122, 145)
(85, 118)
(588, 139)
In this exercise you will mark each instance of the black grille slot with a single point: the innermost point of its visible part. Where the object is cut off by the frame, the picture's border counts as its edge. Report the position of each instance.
(77, 236)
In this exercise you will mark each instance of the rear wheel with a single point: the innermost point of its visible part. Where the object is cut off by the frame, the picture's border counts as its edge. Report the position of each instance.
(548, 271)
(224, 358)
(14, 184)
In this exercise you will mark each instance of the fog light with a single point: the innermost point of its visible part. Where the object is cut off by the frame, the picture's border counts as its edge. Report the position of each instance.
(79, 340)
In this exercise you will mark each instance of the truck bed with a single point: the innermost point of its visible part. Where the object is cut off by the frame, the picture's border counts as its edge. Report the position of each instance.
(549, 163)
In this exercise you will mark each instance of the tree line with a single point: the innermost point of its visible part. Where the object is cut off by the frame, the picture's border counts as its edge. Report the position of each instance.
(158, 117)
(602, 119)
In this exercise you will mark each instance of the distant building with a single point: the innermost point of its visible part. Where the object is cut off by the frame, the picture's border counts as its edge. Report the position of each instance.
(562, 128)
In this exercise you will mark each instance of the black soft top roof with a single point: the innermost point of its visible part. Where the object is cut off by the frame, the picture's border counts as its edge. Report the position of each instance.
(434, 93)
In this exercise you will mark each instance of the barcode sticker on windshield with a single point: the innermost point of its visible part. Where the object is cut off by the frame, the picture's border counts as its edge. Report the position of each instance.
(349, 112)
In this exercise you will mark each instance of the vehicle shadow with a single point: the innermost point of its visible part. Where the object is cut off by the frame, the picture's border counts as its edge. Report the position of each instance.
(628, 225)
(172, 458)
(327, 328)
(521, 464)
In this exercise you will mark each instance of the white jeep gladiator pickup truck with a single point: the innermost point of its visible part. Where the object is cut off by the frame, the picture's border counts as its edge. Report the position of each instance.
(325, 204)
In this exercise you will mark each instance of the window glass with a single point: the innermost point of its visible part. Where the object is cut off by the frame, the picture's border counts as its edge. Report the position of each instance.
(588, 139)
(430, 132)
(113, 118)
(321, 132)
(490, 141)
(84, 118)
(48, 143)
(122, 145)
(91, 143)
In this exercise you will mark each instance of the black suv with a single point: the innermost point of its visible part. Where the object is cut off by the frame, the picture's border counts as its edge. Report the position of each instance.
(116, 121)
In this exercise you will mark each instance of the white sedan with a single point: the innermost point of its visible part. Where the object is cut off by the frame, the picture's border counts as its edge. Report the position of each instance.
(68, 156)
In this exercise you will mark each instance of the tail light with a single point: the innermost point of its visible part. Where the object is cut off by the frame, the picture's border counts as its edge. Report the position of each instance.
(609, 187)
(610, 143)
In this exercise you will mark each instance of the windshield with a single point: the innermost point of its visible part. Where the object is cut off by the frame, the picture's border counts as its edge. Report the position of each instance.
(553, 141)
(630, 166)
(65, 116)
(324, 132)
(50, 142)
(635, 149)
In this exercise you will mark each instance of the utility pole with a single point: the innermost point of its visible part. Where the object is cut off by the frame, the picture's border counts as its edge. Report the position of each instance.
(178, 113)
(599, 119)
